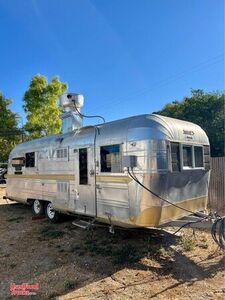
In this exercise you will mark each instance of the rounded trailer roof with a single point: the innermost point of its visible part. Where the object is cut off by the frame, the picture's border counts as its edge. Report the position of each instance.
(182, 131)
(153, 126)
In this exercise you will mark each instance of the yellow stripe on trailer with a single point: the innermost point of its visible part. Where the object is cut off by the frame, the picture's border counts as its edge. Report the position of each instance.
(43, 176)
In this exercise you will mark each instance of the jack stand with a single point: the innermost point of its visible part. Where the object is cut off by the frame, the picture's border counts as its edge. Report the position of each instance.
(111, 229)
(91, 224)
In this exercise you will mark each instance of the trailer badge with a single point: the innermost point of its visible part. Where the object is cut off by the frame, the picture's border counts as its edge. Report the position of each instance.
(188, 132)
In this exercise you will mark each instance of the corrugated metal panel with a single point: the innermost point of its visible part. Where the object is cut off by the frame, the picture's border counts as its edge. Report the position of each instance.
(217, 185)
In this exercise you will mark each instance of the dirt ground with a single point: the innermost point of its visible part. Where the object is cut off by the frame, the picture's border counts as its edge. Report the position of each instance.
(70, 263)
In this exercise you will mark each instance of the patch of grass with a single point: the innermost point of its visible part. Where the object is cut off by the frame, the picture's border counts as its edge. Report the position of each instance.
(121, 255)
(164, 253)
(17, 219)
(98, 248)
(150, 244)
(126, 254)
(49, 232)
(69, 285)
(188, 243)
(148, 239)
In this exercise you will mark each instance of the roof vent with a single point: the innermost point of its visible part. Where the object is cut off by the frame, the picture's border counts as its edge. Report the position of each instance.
(71, 104)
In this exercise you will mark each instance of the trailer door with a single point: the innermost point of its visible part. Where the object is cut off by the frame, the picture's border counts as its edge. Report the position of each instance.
(85, 181)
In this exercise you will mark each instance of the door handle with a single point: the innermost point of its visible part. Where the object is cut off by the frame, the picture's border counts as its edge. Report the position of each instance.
(91, 172)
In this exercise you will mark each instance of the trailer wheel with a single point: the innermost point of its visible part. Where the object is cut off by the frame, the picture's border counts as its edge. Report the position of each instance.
(51, 214)
(38, 207)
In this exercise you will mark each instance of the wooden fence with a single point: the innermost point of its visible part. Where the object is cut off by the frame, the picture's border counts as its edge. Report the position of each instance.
(217, 185)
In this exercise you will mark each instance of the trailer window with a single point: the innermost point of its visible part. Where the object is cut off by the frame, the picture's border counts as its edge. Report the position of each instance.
(111, 159)
(187, 157)
(62, 153)
(18, 162)
(198, 157)
(30, 159)
(207, 157)
(175, 157)
(83, 166)
(62, 187)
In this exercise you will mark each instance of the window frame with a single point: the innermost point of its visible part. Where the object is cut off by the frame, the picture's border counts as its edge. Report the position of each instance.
(171, 160)
(63, 158)
(207, 163)
(35, 159)
(203, 162)
(83, 180)
(182, 158)
(186, 168)
(18, 162)
(120, 154)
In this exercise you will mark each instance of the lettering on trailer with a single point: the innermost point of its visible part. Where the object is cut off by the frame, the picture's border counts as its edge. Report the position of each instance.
(188, 132)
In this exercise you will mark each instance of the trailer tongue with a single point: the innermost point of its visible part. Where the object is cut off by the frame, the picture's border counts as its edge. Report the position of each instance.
(212, 222)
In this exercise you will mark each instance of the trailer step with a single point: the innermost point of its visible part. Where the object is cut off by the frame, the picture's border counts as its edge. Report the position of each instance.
(82, 224)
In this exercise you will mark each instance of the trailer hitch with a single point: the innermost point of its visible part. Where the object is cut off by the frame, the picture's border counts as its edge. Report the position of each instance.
(212, 222)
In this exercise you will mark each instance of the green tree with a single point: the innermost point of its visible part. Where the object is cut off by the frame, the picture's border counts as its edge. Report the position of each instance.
(41, 106)
(206, 110)
(9, 133)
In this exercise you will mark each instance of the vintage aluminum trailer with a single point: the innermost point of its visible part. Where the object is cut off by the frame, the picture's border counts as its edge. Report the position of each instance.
(85, 171)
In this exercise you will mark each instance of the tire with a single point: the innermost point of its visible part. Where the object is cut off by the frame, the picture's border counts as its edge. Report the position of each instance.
(38, 207)
(52, 215)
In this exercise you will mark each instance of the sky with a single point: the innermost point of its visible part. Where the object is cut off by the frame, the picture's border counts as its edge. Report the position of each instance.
(126, 57)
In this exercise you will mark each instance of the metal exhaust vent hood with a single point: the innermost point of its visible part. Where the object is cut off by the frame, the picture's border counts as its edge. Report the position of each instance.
(71, 104)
